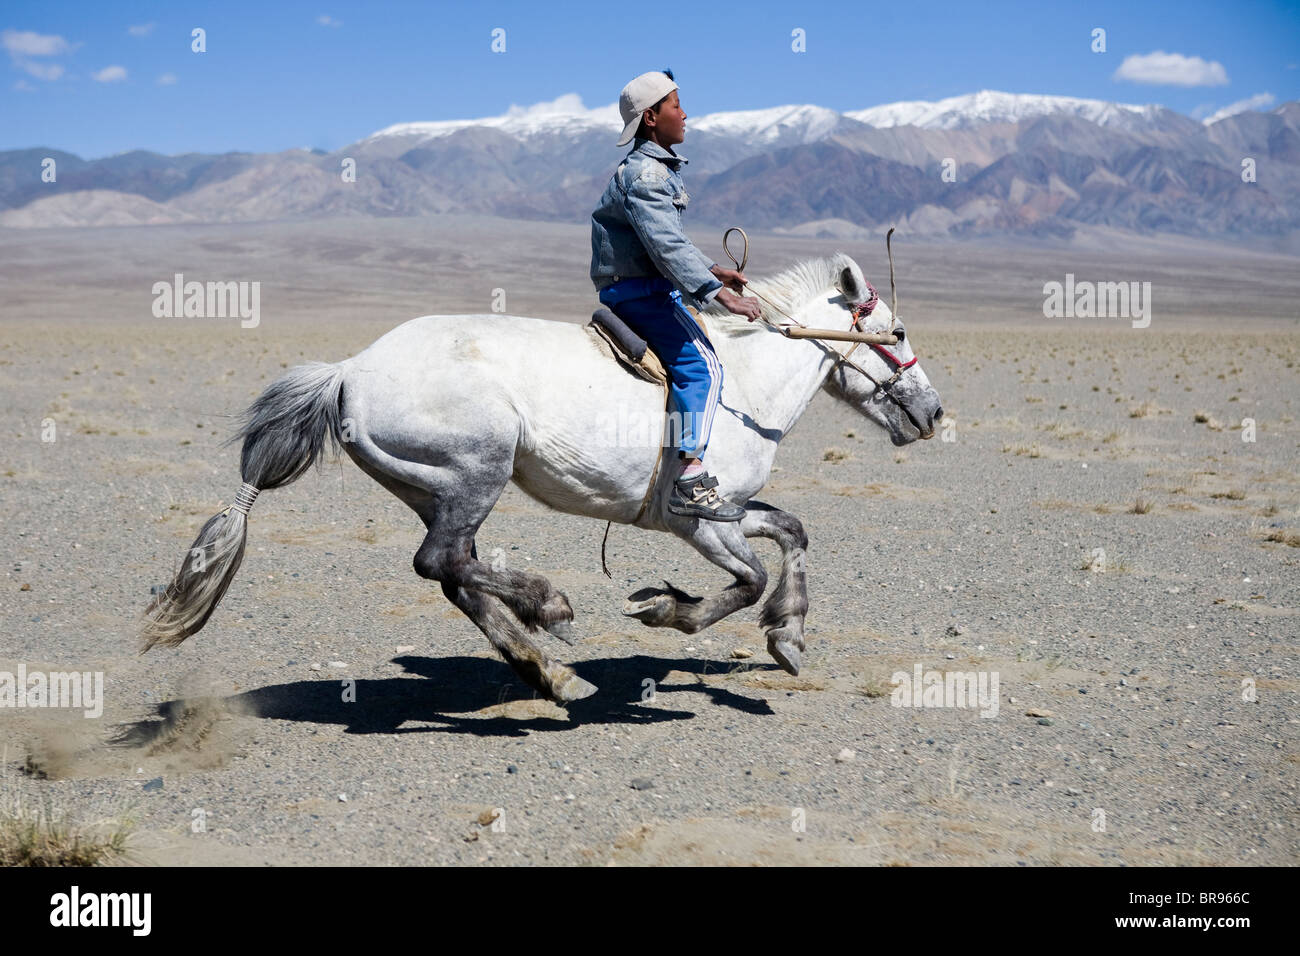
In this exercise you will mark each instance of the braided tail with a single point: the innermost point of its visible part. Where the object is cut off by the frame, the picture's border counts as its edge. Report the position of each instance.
(285, 432)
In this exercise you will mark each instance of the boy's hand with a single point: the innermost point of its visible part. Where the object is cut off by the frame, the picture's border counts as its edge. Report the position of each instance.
(738, 304)
(731, 278)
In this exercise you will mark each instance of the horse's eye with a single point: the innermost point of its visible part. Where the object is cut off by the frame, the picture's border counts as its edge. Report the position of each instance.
(900, 333)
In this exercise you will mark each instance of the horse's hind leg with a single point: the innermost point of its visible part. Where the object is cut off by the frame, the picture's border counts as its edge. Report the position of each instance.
(784, 611)
(450, 558)
(451, 562)
(452, 516)
(555, 680)
(452, 481)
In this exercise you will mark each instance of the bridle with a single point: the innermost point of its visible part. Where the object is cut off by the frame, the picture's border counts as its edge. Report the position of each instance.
(859, 312)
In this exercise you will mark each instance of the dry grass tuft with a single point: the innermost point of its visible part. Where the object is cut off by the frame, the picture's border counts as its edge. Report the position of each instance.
(1141, 506)
(835, 455)
(42, 836)
(1284, 536)
(1031, 451)
(877, 687)
(1145, 409)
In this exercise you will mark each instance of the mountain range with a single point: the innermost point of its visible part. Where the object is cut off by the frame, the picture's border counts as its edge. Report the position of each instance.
(984, 164)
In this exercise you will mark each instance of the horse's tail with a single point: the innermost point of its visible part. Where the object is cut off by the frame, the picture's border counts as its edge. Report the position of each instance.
(285, 432)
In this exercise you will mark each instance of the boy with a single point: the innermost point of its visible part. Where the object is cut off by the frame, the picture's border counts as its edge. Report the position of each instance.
(642, 264)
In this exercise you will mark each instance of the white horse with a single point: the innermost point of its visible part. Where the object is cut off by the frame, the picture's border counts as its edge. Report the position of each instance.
(445, 410)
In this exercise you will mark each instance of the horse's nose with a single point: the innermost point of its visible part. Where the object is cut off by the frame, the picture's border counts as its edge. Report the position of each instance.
(938, 414)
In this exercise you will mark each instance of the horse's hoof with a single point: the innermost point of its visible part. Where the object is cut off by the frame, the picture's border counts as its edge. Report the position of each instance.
(653, 611)
(556, 609)
(785, 654)
(572, 688)
(563, 631)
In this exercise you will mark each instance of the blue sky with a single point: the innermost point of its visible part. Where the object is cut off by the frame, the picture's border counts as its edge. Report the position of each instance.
(98, 78)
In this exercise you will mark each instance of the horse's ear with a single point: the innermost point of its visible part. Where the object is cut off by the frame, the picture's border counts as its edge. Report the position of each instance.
(849, 285)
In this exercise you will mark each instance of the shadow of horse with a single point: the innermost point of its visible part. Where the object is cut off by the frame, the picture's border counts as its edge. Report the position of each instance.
(444, 688)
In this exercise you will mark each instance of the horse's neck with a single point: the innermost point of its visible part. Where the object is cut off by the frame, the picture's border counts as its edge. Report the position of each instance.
(781, 376)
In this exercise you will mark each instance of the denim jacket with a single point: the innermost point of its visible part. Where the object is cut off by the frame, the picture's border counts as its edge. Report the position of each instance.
(636, 230)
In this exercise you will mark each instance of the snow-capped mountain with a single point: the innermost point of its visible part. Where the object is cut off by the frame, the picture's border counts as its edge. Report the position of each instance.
(990, 106)
(988, 163)
(568, 115)
(798, 123)
(563, 114)
(784, 124)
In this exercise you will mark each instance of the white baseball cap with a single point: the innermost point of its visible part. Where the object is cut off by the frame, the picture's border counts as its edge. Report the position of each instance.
(637, 97)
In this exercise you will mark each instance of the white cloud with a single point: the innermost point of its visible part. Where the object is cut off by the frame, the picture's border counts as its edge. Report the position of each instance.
(24, 86)
(1171, 69)
(566, 104)
(1258, 101)
(326, 20)
(42, 71)
(167, 79)
(141, 29)
(110, 74)
(25, 43)
(21, 44)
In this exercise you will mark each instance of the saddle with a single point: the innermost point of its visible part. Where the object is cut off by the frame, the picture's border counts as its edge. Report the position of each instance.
(629, 349)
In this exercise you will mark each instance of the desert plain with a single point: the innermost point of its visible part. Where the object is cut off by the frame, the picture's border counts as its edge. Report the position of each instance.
(1109, 521)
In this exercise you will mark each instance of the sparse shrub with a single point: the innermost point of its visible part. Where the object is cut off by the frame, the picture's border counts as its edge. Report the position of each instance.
(1284, 536)
(41, 836)
(1232, 494)
(877, 687)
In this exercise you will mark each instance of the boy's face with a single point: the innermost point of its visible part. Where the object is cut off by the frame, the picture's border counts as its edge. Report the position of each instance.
(668, 126)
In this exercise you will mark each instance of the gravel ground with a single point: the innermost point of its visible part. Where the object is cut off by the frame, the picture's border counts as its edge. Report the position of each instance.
(1156, 646)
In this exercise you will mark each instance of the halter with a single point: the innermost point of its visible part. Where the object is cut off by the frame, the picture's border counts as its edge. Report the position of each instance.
(860, 312)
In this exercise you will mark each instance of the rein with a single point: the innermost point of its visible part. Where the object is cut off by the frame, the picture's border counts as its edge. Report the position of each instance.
(856, 335)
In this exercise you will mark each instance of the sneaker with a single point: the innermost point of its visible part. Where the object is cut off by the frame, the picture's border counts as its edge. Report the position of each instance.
(697, 497)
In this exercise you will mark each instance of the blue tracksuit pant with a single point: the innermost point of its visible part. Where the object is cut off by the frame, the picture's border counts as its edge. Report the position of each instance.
(653, 309)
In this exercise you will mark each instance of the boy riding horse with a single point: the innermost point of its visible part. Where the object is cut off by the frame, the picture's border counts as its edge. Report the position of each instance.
(642, 264)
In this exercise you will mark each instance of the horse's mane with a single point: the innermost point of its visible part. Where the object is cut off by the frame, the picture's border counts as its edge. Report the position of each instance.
(790, 289)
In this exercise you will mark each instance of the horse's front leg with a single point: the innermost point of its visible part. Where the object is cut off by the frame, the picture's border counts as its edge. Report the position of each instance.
(784, 611)
(724, 544)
